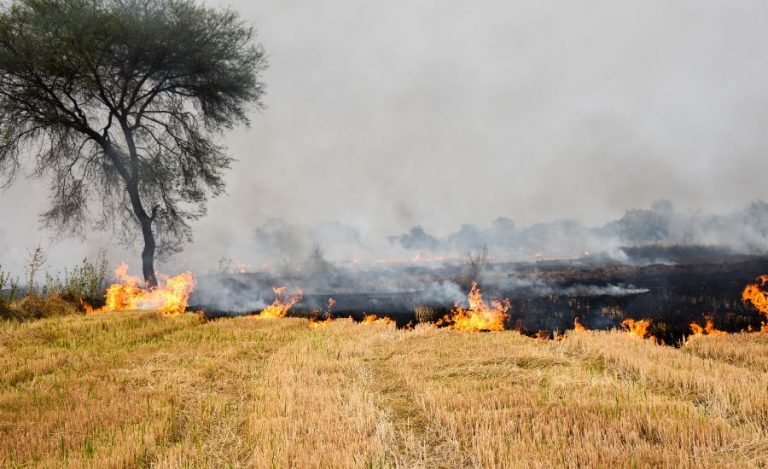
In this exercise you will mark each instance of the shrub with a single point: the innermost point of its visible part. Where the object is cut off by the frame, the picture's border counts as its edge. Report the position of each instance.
(62, 294)
(9, 288)
(86, 281)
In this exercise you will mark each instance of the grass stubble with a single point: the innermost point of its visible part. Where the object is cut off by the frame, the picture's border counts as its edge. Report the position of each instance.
(140, 389)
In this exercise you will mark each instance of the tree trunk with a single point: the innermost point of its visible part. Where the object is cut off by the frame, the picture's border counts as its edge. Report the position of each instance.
(148, 254)
(130, 176)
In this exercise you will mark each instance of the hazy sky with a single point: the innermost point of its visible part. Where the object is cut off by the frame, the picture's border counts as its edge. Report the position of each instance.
(385, 115)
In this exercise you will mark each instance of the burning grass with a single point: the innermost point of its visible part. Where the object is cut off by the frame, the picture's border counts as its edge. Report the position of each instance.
(169, 297)
(479, 316)
(578, 326)
(758, 297)
(707, 329)
(142, 389)
(637, 328)
(373, 319)
(282, 304)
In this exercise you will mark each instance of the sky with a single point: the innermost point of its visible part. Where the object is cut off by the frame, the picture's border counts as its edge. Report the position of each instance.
(386, 115)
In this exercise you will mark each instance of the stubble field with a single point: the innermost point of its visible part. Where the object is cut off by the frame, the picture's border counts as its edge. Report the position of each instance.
(142, 389)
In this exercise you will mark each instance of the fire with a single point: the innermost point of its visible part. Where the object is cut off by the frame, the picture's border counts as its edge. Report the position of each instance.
(577, 326)
(282, 304)
(708, 329)
(169, 297)
(479, 316)
(315, 324)
(754, 293)
(637, 328)
(373, 319)
(242, 268)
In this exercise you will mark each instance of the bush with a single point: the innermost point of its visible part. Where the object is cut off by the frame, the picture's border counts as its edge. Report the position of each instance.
(87, 281)
(9, 288)
(62, 294)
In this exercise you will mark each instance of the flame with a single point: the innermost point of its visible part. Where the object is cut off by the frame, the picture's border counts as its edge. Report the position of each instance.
(754, 293)
(281, 305)
(242, 268)
(708, 329)
(373, 319)
(315, 324)
(479, 316)
(637, 328)
(87, 308)
(169, 297)
(577, 326)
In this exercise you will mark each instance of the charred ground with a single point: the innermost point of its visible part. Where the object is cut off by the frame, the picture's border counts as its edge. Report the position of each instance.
(672, 286)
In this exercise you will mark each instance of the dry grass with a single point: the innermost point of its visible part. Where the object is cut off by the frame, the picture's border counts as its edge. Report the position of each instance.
(747, 350)
(140, 389)
(37, 306)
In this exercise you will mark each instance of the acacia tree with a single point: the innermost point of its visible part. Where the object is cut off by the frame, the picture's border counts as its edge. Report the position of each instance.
(120, 103)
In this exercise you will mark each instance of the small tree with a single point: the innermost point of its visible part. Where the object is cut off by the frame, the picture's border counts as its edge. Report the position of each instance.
(36, 258)
(120, 101)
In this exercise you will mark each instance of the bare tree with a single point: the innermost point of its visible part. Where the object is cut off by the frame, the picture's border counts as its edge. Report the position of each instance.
(477, 261)
(120, 103)
(36, 258)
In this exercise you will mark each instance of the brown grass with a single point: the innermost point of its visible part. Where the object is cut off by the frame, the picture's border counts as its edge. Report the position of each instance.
(140, 389)
(38, 306)
(747, 350)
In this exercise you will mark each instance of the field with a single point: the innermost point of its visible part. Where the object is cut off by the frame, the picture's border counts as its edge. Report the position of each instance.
(142, 389)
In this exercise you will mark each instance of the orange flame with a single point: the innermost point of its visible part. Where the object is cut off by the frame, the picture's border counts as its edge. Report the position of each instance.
(479, 316)
(708, 329)
(754, 293)
(242, 268)
(373, 319)
(637, 328)
(281, 305)
(577, 326)
(169, 297)
(315, 324)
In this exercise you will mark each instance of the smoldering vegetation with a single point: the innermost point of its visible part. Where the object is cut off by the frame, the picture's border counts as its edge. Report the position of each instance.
(659, 263)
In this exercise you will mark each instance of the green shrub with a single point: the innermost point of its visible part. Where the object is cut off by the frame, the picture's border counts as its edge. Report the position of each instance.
(9, 289)
(62, 294)
(87, 281)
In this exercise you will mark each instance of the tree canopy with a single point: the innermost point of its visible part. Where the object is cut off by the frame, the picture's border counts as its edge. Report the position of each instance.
(120, 103)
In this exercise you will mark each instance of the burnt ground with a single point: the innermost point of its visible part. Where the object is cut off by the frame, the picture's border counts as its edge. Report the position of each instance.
(677, 295)
(547, 296)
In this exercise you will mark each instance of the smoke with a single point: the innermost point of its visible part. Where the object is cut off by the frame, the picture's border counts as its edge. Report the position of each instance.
(447, 114)
(742, 232)
(330, 258)
(227, 293)
(594, 290)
